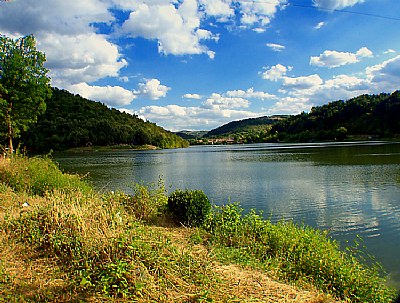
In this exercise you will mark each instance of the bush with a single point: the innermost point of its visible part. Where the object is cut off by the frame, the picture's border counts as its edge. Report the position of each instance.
(190, 207)
(38, 175)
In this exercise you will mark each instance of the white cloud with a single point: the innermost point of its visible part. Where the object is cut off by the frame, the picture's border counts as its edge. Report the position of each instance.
(364, 52)
(250, 94)
(289, 105)
(385, 76)
(335, 4)
(253, 12)
(333, 59)
(192, 96)
(80, 58)
(390, 51)
(219, 102)
(111, 95)
(304, 82)
(152, 89)
(320, 25)
(217, 8)
(276, 47)
(176, 29)
(276, 72)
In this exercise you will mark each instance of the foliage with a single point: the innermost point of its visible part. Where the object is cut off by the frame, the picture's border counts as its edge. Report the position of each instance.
(72, 121)
(24, 86)
(147, 203)
(296, 253)
(38, 175)
(365, 116)
(244, 125)
(190, 207)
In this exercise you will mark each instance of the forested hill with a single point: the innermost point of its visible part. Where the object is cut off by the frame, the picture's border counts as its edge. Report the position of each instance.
(73, 121)
(366, 116)
(245, 125)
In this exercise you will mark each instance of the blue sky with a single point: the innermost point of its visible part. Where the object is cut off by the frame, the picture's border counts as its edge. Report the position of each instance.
(198, 64)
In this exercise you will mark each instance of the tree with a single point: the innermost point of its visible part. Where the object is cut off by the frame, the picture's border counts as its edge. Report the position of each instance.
(24, 86)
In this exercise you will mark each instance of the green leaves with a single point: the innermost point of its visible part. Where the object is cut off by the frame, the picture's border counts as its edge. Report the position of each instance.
(24, 85)
(190, 207)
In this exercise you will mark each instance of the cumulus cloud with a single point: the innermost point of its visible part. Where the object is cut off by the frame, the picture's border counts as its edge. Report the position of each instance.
(177, 30)
(250, 94)
(276, 47)
(152, 89)
(192, 96)
(111, 95)
(335, 4)
(253, 12)
(217, 101)
(80, 58)
(276, 72)
(290, 105)
(304, 82)
(218, 8)
(333, 59)
(385, 76)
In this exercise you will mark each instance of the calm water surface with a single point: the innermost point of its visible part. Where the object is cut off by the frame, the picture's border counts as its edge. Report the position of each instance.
(349, 188)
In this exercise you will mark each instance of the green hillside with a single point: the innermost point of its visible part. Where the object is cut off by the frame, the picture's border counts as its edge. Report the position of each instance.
(245, 125)
(72, 121)
(362, 117)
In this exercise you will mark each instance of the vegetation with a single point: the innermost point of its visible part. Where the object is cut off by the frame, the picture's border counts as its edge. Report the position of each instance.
(242, 127)
(366, 116)
(60, 241)
(189, 207)
(72, 121)
(24, 86)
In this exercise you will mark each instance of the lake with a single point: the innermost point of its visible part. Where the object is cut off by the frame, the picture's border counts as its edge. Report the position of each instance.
(349, 189)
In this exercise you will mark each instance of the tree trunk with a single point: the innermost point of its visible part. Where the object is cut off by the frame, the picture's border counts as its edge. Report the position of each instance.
(9, 130)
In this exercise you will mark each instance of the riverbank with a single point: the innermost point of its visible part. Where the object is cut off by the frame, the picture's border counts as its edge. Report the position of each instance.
(63, 242)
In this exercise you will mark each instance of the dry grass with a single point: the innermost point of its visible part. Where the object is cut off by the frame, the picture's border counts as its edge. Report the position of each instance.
(29, 275)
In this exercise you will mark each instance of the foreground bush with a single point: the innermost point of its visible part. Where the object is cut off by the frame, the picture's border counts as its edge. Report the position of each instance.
(190, 207)
(295, 253)
(38, 175)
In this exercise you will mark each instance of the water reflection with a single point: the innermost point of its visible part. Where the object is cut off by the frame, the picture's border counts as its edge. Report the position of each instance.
(348, 189)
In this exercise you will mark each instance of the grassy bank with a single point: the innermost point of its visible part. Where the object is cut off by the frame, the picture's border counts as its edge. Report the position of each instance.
(61, 242)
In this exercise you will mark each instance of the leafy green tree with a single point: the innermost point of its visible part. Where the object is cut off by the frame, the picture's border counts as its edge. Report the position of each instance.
(24, 86)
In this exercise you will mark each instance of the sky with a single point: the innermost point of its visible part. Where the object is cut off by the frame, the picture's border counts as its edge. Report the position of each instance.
(199, 64)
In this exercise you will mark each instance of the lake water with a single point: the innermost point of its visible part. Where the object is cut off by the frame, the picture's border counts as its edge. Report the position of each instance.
(348, 188)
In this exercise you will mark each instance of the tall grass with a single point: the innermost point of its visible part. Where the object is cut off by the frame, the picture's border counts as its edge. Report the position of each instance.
(295, 252)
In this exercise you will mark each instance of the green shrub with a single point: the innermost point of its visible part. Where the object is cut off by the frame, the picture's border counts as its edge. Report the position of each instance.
(190, 207)
(37, 176)
(147, 203)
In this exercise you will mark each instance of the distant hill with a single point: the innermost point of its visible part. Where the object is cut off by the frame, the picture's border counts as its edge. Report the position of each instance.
(73, 121)
(362, 117)
(245, 125)
(188, 134)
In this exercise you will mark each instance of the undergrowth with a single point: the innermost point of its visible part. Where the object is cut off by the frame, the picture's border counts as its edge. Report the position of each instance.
(110, 245)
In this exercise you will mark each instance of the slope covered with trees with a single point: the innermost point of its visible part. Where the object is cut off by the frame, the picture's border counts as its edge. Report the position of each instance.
(245, 125)
(73, 121)
(365, 116)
